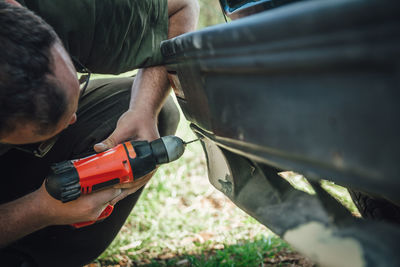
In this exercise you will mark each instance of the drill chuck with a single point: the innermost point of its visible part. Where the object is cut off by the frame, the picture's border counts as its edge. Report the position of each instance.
(167, 149)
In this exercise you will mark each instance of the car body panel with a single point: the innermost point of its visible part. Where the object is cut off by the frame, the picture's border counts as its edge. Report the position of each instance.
(326, 102)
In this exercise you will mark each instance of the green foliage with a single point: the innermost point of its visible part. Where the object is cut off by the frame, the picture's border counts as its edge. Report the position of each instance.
(342, 195)
(210, 13)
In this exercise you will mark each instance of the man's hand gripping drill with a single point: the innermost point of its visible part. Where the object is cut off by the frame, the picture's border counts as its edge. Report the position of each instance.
(125, 163)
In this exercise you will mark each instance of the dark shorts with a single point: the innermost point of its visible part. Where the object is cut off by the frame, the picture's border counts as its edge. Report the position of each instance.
(101, 106)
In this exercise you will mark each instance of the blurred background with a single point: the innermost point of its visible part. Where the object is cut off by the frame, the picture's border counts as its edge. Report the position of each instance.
(210, 13)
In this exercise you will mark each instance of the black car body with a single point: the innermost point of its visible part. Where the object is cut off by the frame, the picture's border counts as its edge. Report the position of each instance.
(308, 86)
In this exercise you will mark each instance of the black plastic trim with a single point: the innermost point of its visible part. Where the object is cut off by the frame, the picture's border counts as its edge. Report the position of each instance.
(144, 162)
(105, 184)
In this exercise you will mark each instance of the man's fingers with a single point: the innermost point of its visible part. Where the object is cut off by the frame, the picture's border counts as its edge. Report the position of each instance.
(137, 183)
(105, 196)
(106, 144)
(125, 185)
(100, 147)
(124, 193)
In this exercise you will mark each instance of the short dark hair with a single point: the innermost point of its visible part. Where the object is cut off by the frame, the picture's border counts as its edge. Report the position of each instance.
(29, 91)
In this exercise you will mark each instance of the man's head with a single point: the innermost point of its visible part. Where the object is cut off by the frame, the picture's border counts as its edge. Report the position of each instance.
(39, 89)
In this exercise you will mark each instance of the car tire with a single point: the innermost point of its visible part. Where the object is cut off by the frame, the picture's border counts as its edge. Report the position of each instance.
(375, 207)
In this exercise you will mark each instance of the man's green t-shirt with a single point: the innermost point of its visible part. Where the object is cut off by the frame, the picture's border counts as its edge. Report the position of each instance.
(108, 36)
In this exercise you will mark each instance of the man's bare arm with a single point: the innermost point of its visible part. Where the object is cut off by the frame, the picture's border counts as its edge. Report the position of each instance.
(151, 86)
(37, 210)
(149, 91)
(20, 217)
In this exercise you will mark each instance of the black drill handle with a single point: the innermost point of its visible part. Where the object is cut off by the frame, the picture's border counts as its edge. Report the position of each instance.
(62, 183)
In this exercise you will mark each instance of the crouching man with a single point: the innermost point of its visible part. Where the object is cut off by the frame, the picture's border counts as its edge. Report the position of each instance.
(48, 116)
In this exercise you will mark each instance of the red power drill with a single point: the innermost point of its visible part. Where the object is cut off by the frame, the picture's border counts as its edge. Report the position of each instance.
(124, 163)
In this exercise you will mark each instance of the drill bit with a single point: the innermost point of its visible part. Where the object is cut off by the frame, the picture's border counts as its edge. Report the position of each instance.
(192, 141)
(169, 148)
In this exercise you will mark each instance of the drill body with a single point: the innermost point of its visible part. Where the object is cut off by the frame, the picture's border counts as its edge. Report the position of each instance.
(124, 163)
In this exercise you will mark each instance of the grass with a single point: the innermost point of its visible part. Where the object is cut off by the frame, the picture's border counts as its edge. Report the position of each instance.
(241, 254)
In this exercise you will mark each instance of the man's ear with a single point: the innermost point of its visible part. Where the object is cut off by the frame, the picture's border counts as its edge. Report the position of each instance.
(73, 119)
